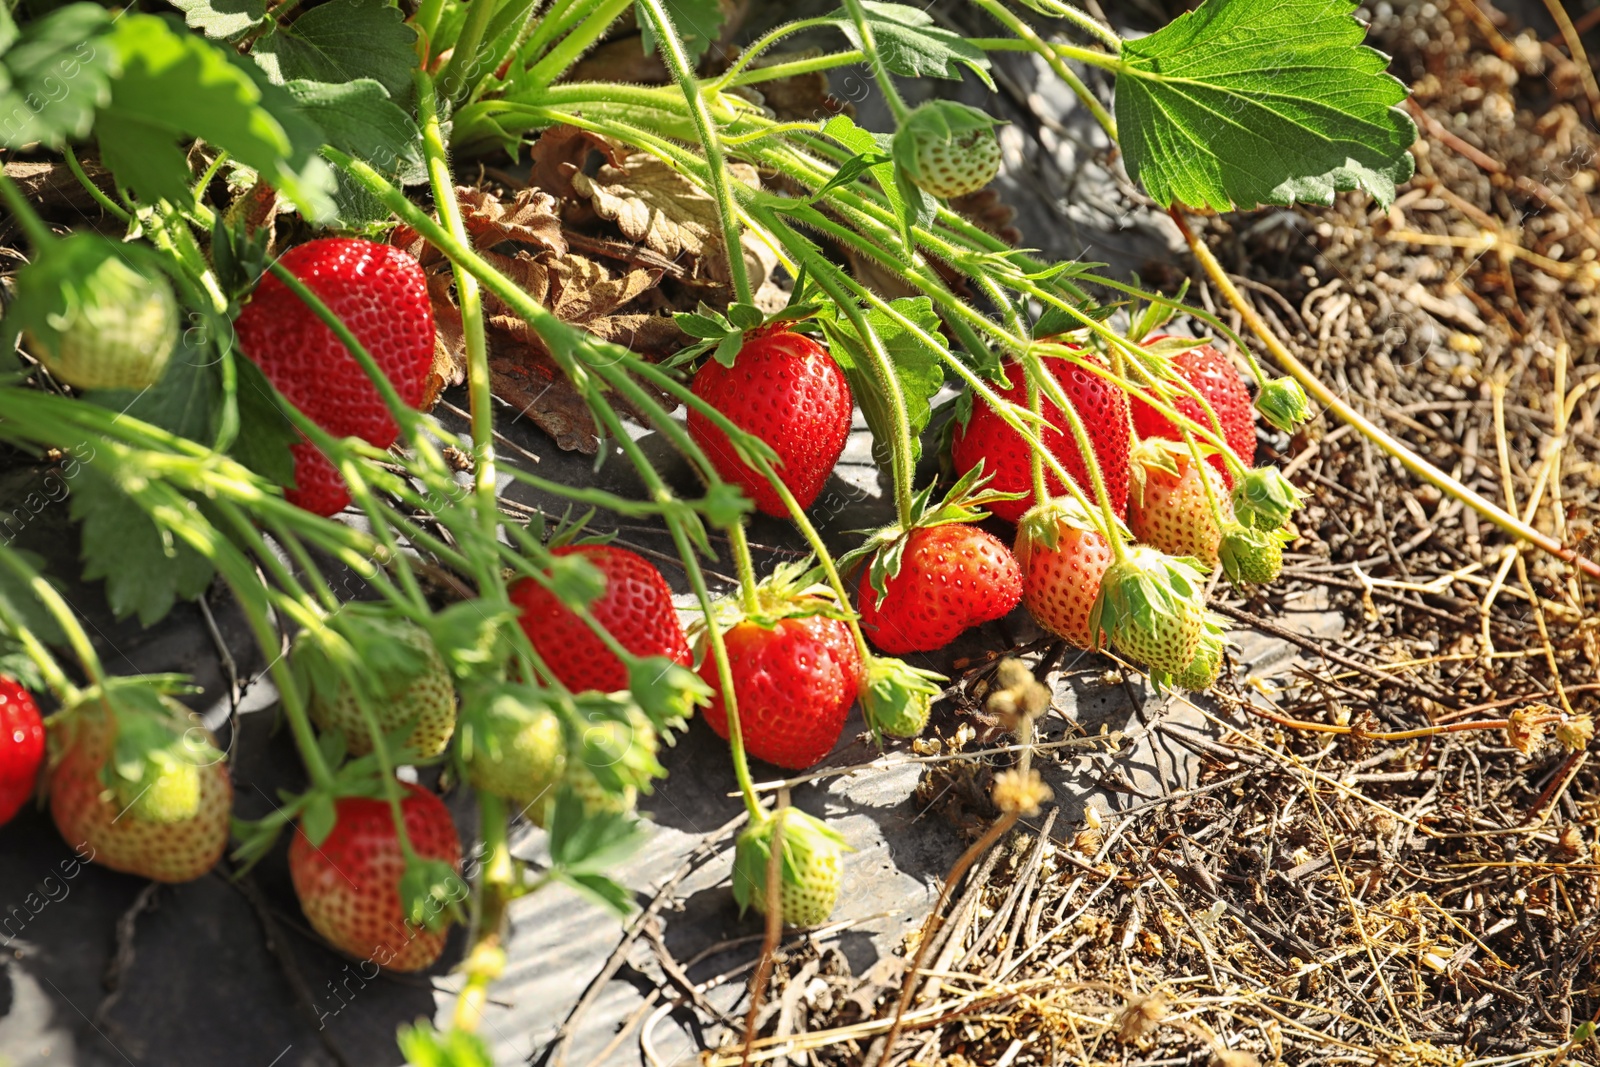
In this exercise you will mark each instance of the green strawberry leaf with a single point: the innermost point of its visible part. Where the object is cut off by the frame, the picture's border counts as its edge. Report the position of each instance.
(918, 366)
(423, 1046)
(431, 893)
(145, 570)
(176, 86)
(54, 73)
(470, 636)
(340, 42)
(265, 433)
(223, 20)
(698, 22)
(911, 44)
(357, 117)
(574, 581)
(667, 692)
(602, 890)
(1241, 103)
(587, 842)
(318, 818)
(16, 663)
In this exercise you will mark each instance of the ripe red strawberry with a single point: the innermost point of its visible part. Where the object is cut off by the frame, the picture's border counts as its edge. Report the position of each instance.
(1214, 377)
(21, 747)
(795, 681)
(1168, 507)
(317, 485)
(636, 608)
(1103, 410)
(952, 577)
(787, 390)
(349, 885)
(1062, 559)
(379, 292)
(114, 831)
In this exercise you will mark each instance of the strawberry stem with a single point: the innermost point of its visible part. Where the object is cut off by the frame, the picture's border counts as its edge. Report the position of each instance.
(38, 234)
(670, 48)
(1091, 462)
(1331, 400)
(880, 71)
(1202, 471)
(97, 194)
(1041, 494)
(470, 300)
(746, 570)
(1053, 57)
(748, 55)
(589, 30)
(495, 887)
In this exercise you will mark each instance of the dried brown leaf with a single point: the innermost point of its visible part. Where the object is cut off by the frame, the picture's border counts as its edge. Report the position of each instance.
(560, 152)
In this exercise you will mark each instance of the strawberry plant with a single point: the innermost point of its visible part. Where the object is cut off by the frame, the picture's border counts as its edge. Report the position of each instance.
(265, 168)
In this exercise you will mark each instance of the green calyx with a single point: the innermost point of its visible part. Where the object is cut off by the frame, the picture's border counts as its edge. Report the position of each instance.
(808, 867)
(368, 655)
(886, 546)
(1251, 556)
(1264, 499)
(1042, 524)
(1151, 608)
(896, 697)
(1283, 403)
(94, 318)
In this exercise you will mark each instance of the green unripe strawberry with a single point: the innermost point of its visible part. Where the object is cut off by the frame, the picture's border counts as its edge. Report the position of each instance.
(1250, 556)
(1282, 402)
(93, 318)
(420, 696)
(614, 759)
(1152, 609)
(947, 149)
(808, 867)
(1264, 499)
(512, 744)
(164, 786)
(896, 697)
(1202, 671)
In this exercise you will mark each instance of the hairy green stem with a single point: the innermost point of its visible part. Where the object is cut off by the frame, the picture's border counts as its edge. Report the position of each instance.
(880, 72)
(470, 300)
(671, 50)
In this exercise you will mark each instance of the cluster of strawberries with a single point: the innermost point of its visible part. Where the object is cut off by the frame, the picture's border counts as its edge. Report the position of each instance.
(134, 782)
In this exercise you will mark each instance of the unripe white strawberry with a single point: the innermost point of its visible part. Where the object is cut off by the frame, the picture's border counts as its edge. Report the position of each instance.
(93, 318)
(808, 869)
(948, 149)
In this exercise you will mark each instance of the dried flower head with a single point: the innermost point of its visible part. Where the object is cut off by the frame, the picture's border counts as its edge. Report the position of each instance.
(1575, 732)
(1141, 1016)
(1227, 1057)
(1526, 725)
(1019, 791)
(1570, 840)
(1017, 698)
